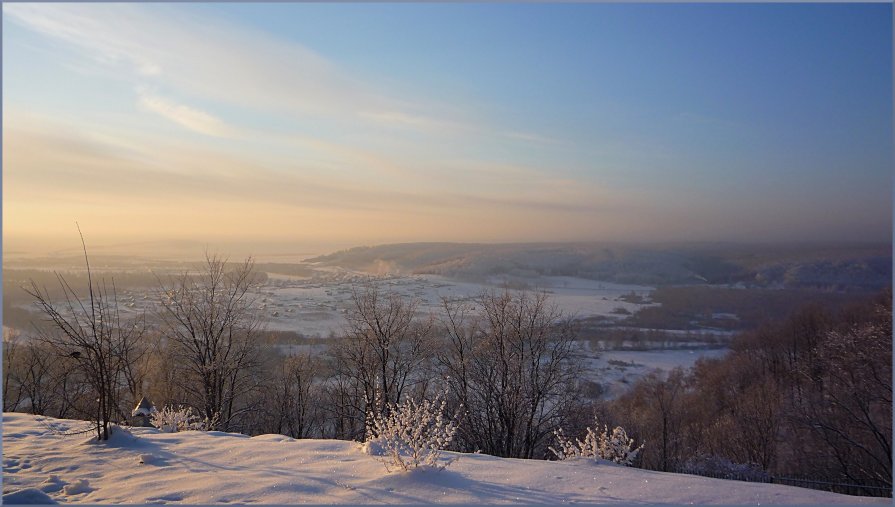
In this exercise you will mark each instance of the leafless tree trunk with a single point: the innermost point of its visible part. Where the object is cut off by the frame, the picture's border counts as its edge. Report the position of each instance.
(90, 331)
(664, 394)
(210, 324)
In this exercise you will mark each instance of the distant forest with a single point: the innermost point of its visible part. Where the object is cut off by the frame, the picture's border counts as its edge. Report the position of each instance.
(809, 396)
(695, 307)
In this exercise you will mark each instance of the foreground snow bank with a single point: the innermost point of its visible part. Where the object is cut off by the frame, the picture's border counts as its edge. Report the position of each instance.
(146, 466)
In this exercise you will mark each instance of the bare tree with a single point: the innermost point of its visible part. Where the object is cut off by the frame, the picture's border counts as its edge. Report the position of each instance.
(292, 405)
(460, 325)
(160, 372)
(73, 392)
(208, 320)
(41, 382)
(12, 352)
(508, 359)
(663, 403)
(384, 353)
(90, 331)
(345, 395)
(37, 379)
(849, 408)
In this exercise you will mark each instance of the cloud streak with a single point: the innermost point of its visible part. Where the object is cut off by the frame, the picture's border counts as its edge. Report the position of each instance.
(68, 167)
(185, 116)
(217, 61)
(56, 177)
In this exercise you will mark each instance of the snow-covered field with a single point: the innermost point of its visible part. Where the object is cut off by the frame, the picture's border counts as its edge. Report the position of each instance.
(145, 466)
(618, 370)
(317, 307)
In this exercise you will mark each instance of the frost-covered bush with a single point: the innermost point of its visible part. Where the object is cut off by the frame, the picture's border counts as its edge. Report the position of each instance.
(173, 419)
(411, 434)
(615, 446)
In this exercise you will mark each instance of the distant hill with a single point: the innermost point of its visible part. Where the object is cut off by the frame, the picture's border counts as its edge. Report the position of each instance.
(841, 267)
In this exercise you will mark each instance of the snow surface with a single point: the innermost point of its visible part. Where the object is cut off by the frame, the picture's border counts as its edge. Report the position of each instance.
(214, 467)
(618, 370)
(317, 307)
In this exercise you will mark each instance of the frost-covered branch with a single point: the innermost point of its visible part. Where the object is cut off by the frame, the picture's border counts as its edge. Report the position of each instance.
(411, 434)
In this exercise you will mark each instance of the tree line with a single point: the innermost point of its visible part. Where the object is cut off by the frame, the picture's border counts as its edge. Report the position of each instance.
(810, 396)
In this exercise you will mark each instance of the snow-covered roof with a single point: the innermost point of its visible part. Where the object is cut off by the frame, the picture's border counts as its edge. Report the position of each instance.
(143, 408)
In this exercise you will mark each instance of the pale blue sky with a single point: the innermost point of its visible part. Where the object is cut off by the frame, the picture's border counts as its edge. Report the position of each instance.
(372, 123)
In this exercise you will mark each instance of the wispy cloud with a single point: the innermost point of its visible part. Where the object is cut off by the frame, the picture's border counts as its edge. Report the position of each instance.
(185, 116)
(66, 162)
(215, 60)
(200, 193)
(207, 58)
(280, 178)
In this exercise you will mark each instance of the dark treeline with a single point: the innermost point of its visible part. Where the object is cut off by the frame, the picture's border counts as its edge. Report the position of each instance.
(13, 279)
(695, 306)
(807, 397)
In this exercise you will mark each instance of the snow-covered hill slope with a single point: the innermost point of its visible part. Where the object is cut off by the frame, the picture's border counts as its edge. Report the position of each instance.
(144, 466)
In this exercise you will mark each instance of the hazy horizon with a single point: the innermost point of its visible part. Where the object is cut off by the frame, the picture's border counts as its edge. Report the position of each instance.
(285, 252)
(283, 129)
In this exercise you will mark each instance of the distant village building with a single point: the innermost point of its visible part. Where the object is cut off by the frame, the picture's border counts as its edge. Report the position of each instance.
(142, 412)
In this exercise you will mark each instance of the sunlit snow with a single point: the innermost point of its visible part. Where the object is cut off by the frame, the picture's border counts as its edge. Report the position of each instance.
(142, 465)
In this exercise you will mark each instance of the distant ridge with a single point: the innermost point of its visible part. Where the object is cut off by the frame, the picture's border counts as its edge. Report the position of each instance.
(833, 266)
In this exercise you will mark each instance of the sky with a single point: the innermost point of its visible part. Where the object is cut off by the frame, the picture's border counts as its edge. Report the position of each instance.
(282, 127)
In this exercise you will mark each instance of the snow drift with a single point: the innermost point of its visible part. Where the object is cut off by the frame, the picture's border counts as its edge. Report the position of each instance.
(143, 465)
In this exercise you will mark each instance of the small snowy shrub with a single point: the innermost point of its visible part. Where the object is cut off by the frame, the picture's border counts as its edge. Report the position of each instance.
(173, 419)
(411, 434)
(615, 446)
